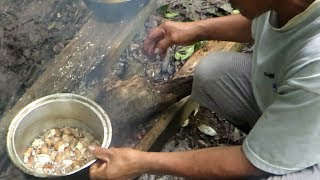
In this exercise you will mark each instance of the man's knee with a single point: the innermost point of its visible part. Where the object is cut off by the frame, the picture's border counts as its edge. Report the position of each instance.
(216, 65)
(210, 67)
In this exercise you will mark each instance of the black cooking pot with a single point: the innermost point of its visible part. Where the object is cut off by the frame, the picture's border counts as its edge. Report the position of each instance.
(115, 10)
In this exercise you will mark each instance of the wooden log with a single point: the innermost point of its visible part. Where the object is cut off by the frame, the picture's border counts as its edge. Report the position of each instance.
(137, 100)
(98, 44)
(170, 120)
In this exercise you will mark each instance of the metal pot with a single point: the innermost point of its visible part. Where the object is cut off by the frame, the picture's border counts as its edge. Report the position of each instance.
(115, 10)
(55, 111)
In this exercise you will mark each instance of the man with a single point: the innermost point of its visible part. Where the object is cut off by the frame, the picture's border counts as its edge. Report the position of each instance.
(275, 91)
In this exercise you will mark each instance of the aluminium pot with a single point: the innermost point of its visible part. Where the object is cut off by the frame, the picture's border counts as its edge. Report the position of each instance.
(54, 111)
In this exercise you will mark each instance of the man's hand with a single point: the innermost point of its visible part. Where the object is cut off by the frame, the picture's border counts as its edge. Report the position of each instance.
(115, 163)
(170, 33)
(229, 28)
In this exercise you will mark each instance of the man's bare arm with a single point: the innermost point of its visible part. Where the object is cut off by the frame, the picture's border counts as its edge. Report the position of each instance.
(235, 28)
(229, 28)
(210, 163)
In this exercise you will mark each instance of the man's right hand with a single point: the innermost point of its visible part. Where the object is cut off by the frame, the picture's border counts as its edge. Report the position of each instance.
(168, 34)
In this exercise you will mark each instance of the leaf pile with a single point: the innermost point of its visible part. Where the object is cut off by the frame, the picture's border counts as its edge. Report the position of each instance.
(191, 10)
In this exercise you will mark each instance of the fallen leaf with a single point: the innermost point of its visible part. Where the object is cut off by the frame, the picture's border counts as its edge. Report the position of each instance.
(207, 130)
(236, 11)
(163, 9)
(184, 52)
(170, 15)
(185, 123)
(51, 25)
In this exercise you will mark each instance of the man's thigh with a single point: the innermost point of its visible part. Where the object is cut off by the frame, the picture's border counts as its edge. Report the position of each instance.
(222, 83)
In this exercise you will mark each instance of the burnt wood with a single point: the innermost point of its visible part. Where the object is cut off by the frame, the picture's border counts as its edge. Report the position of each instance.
(169, 122)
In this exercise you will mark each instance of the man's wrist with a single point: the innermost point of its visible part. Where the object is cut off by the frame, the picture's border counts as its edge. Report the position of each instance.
(200, 30)
(144, 162)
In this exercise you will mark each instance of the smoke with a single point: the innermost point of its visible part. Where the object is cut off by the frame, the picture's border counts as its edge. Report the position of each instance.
(115, 10)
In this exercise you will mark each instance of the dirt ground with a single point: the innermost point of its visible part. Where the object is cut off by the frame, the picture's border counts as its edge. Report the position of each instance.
(191, 138)
(32, 32)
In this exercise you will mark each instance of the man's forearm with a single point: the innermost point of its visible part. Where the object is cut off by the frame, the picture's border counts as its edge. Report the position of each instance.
(218, 162)
(235, 28)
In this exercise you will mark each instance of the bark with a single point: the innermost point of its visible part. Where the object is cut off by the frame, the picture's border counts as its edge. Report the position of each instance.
(137, 100)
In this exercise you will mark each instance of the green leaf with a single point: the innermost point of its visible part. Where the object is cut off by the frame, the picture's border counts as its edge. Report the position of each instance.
(163, 9)
(51, 25)
(184, 52)
(170, 15)
(198, 45)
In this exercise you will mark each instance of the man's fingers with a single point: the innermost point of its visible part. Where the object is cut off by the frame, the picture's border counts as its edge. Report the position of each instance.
(162, 47)
(152, 40)
(98, 169)
(95, 166)
(100, 153)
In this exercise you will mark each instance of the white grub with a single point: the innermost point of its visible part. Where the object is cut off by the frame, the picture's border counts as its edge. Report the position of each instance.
(58, 144)
(60, 150)
(85, 142)
(67, 131)
(44, 149)
(59, 158)
(47, 166)
(88, 137)
(41, 159)
(77, 153)
(55, 139)
(76, 133)
(37, 143)
(57, 133)
(62, 147)
(27, 154)
(80, 147)
(73, 143)
(30, 161)
(67, 138)
(95, 143)
(49, 142)
(67, 162)
(53, 155)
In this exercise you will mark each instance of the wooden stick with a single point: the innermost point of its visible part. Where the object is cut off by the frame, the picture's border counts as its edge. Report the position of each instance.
(162, 123)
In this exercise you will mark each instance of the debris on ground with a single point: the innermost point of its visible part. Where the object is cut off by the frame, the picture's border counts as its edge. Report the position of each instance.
(32, 33)
(191, 138)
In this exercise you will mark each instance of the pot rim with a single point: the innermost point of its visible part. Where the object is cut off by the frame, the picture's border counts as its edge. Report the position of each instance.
(97, 109)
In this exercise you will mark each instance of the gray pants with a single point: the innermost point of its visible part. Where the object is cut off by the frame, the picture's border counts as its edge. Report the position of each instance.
(222, 83)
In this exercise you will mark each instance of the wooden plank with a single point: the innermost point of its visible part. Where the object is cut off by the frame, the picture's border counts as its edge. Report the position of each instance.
(97, 44)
